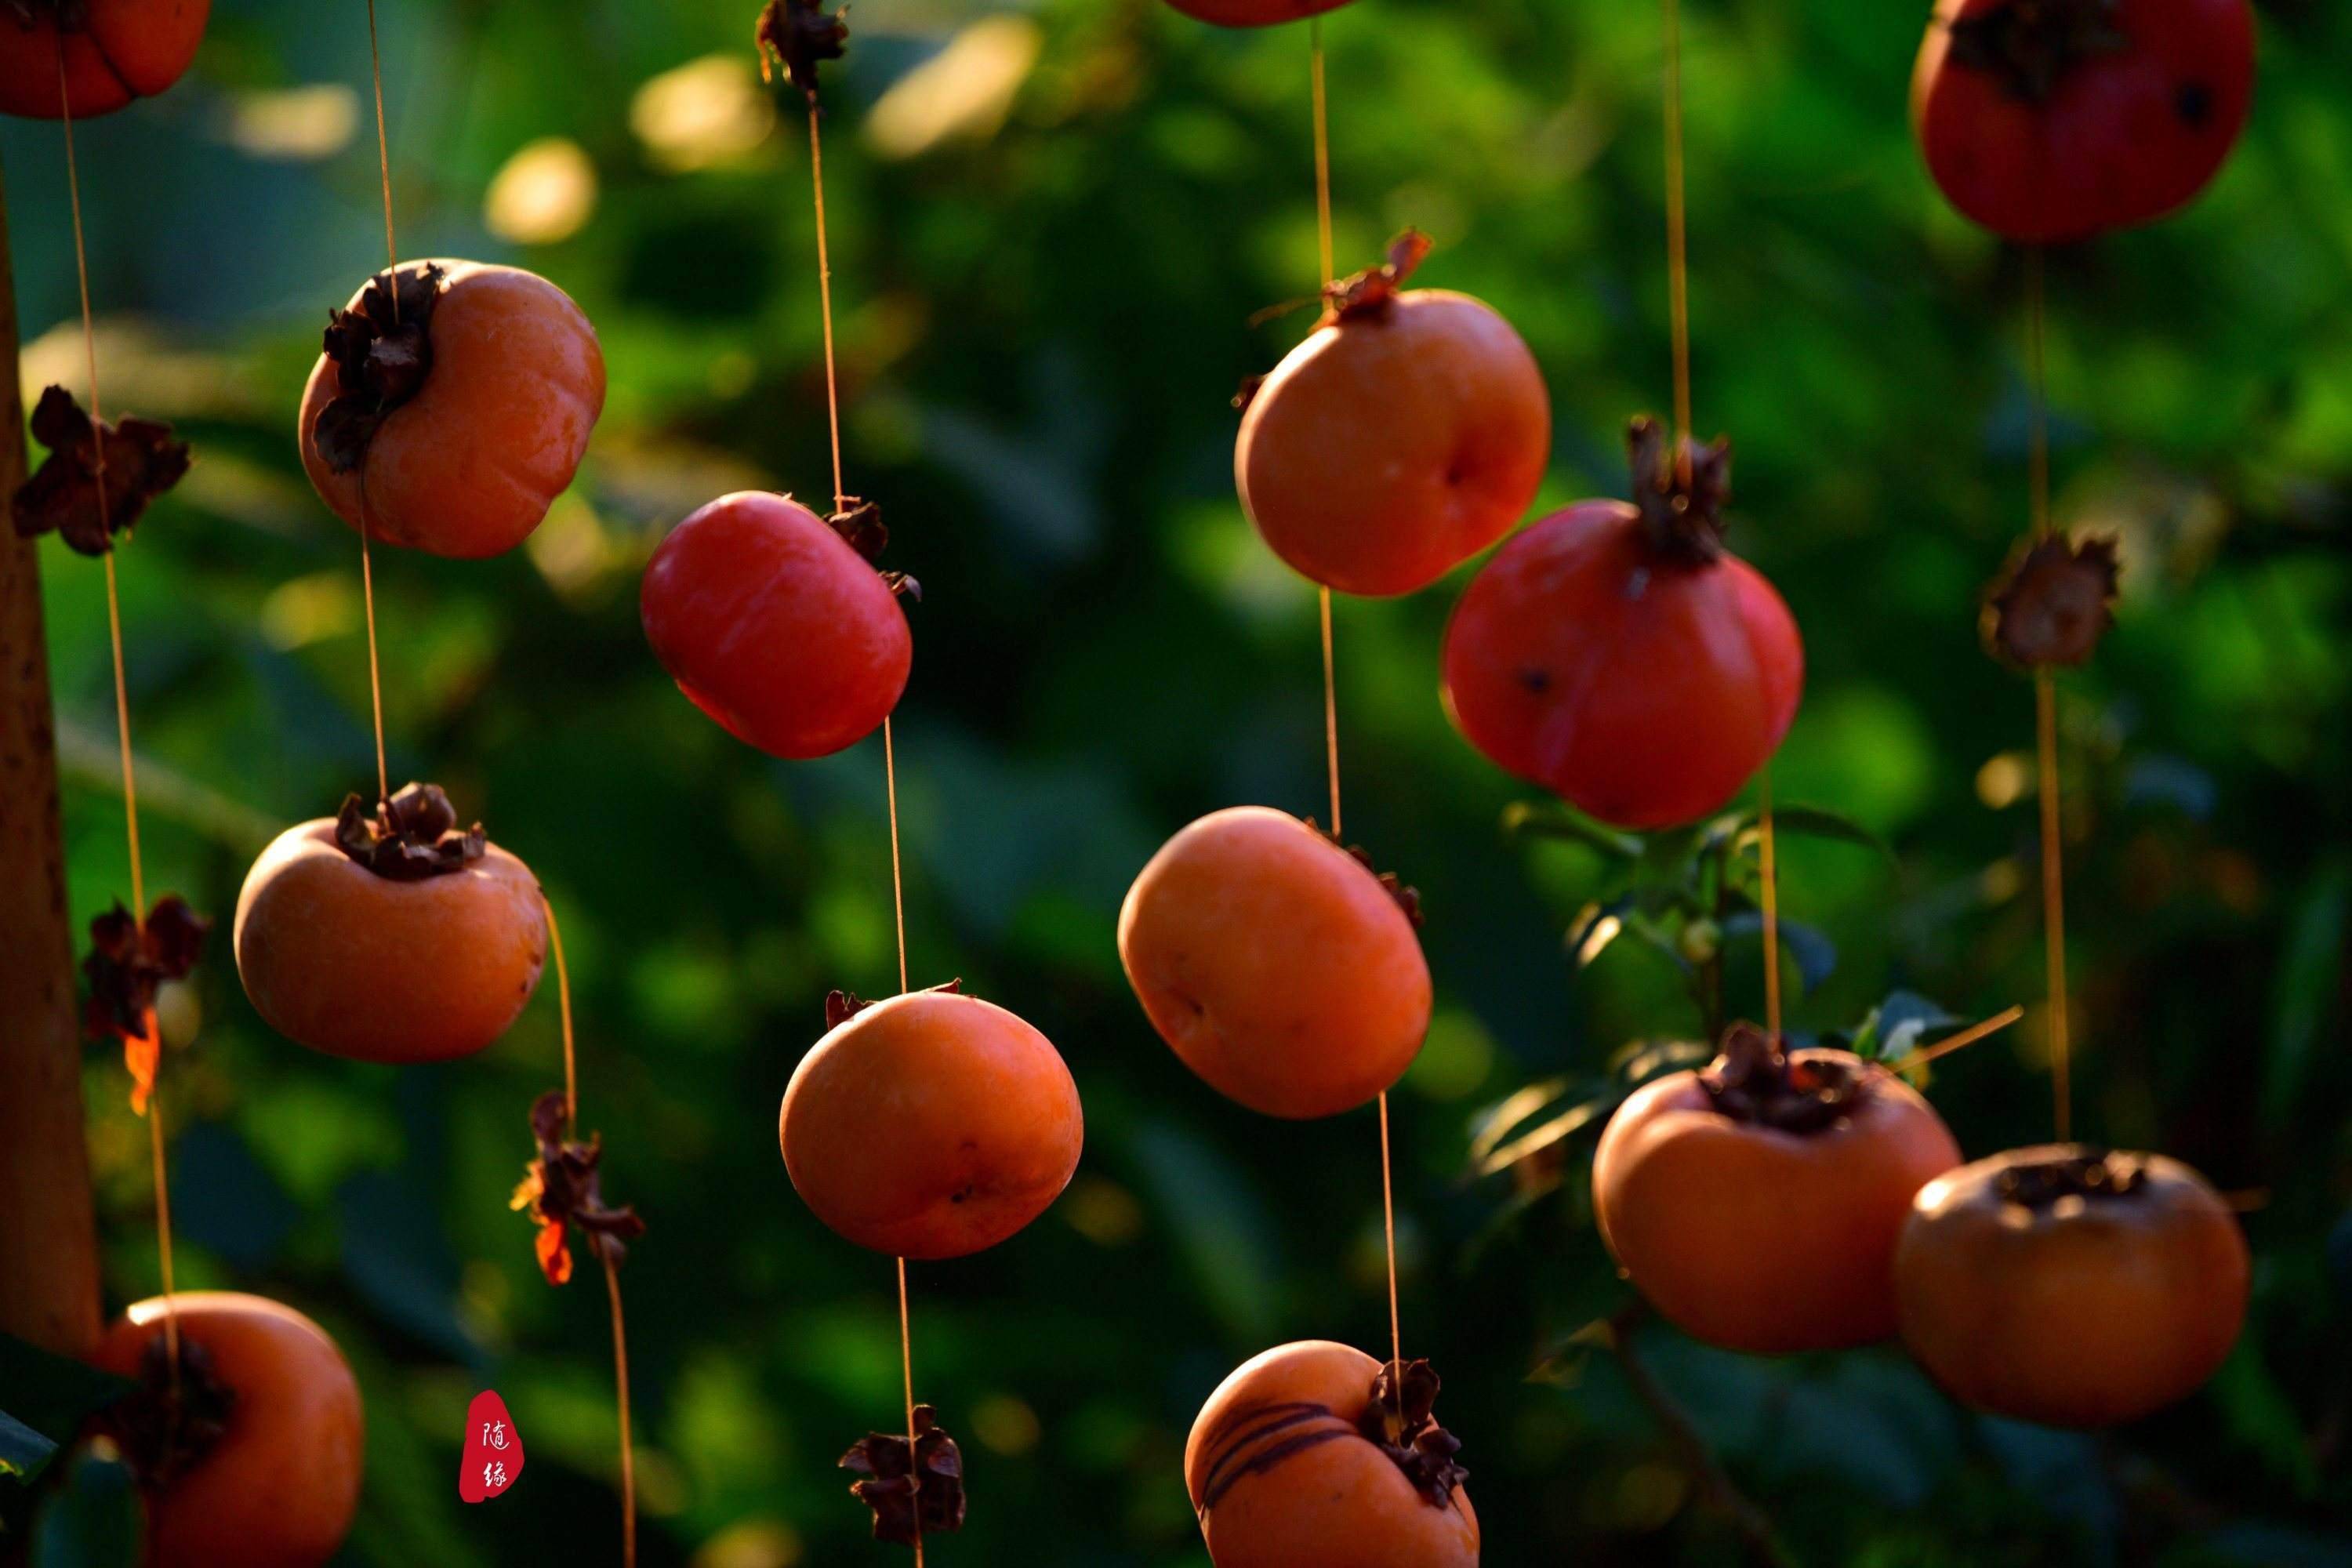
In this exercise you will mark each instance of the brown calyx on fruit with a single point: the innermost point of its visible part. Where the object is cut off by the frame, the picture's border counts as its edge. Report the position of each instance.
(1680, 494)
(913, 1489)
(173, 1417)
(1755, 1080)
(840, 1006)
(2054, 602)
(799, 35)
(2029, 46)
(383, 350)
(1406, 899)
(2079, 1172)
(411, 836)
(98, 477)
(562, 1188)
(128, 958)
(859, 524)
(1363, 295)
(1401, 1423)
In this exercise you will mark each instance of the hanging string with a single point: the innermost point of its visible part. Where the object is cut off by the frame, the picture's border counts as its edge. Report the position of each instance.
(563, 1005)
(2046, 715)
(907, 1365)
(367, 563)
(621, 1382)
(1960, 1042)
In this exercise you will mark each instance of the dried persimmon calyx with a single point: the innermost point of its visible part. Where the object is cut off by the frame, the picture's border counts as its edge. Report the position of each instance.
(914, 1489)
(1365, 294)
(175, 1415)
(100, 476)
(2054, 602)
(859, 524)
(383, 350)
(409, 837)
(799, 35)
(840, 1006)
(1755, 1080)
(563, 1187)
(1680, 489)
(1401, 1420)
(1407, 899)
(130, 957)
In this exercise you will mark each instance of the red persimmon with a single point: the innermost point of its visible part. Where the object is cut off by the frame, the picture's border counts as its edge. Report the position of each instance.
(773, 622)
(2055, 119)
(1756, 1202)
(2070, 1285)
(1316, 1455)
(1408, 431)
(114, 51)
(1254, 13)
(930, 1125)
(250, 1456)
(1615, 653)
(450, 418)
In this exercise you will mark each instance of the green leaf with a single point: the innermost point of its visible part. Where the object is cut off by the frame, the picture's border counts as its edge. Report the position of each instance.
(23, 1452)
(1813, 821)
(1566, 1125)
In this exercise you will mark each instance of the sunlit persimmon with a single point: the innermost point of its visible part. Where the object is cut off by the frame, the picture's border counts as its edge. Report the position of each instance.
(2070, 1285)
(772, 622)
(930, 1125)
(250, 1454)
(1278, 966)
(1254, 13)
(1615, 653)
(113, 51)
(1756, 1202)
(396, 938)
(449, 418)
(1316, 1455)
(1408, 431)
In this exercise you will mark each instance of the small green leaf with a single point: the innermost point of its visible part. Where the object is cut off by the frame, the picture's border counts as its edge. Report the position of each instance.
(24, 1453)
(1560, 1128)
(1813, 822)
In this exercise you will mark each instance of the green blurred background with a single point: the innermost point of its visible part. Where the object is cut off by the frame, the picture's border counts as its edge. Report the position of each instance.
(1051, 227)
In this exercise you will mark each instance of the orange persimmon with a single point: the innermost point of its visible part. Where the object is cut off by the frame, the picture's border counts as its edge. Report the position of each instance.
(1276, 963)
(112, 51)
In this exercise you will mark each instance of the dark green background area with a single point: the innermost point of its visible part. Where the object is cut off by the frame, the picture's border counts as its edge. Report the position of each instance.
(1041, 322)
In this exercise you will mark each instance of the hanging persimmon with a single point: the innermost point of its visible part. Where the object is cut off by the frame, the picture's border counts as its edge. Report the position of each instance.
(451, 406)
(105, 53)
(249, 1452)
(1756, 1202)
(2055, 119)
(1316, 1455)
(2070, 1285)
(1254, 13)
(1408, 431)
(1615, 654)
(775, 621)
(1278, 966)
(391, 937)
(930, 1125)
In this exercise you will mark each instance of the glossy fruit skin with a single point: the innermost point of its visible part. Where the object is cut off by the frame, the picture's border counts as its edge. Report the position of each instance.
(1339, 1503)
(2122, 139)
(280, 1488)
(1762, 1241)
(351, 963)
(2072, 1317)
(1254, 13)
(773, 625)
(1642, 690)
(1387, 449)
(131, 49)
(1274, 964)
(930, 1125)
(468, 467)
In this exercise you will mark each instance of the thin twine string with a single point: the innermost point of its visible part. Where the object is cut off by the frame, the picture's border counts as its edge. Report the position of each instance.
(889, 748)
(1960, 1042)
(123, 730)
(367, 563)
(2046, 715)
(1321, 101)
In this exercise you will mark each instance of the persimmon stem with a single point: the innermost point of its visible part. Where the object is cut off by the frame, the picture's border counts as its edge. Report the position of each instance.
(563, 1009)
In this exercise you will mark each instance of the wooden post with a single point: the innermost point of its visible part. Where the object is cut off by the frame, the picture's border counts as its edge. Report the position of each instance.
(49, 1231)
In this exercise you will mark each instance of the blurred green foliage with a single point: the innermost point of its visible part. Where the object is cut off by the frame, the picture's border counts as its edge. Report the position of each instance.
(1050, 229)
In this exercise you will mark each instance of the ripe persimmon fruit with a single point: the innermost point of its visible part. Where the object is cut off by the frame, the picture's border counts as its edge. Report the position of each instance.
(396, 938)
(930, 1125)
(1615, 653)
(771, 621)
(2071, 1286)
(250, 1454)
(451, 406)
(1254, 13)
(1278, 966)
(1408, 431)
(115, 51)
(1316, 1455)
(2055, 119)
(1756, 1202)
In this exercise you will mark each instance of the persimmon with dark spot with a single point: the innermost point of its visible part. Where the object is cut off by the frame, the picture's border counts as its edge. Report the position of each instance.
(1756, 1202)
(114, 51)
(2071, 1286)
(249, 1453)
(392, 938)
(930, 1125)
(1408, 431)
(1617, 655)
(774, 623)
(451, 406)
(1316, 1455)
(1277, 965)
(2055, 119)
